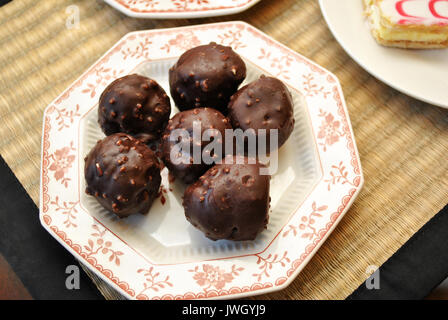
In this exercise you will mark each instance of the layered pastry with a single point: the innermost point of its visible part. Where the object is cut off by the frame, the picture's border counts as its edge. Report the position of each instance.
(416, 24)
(230, 201)
(136, 105)
(123, 174)
(206, 76)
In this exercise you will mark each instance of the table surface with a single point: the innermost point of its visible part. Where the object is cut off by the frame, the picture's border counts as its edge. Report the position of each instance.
(402, 141)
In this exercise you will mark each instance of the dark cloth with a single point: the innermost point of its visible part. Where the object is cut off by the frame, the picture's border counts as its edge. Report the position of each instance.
(417, 267)
(35, 257)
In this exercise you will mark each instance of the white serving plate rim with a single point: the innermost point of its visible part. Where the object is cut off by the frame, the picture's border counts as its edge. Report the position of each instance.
(177, 14)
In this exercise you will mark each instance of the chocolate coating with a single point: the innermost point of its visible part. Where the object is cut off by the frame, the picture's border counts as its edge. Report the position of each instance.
(206, 76)
(208, 118)
(136, 105)
(123, 174)
(263, 104)
(230, 201)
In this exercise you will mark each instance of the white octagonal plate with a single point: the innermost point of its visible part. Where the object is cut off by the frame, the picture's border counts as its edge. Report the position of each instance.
(180, 9)
(160, 255)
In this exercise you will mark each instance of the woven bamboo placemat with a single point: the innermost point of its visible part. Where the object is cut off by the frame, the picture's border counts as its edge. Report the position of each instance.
(403, 143)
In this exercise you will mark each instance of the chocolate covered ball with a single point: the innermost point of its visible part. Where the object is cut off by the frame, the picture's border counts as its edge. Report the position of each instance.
(263, 104)
(230, 201)
(123, 174)
(206, 76)
(181, 161)
(136, 105)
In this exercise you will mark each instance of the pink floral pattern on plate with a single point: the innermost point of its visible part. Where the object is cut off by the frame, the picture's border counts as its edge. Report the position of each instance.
(62, 161)
(98, 245)
(68, 209)
(311, 89)
(306, 228)
(180, 8)
(66, 117)
(214, 277)
(152, 282)
(281, 63)
(102, 77)
(329, 130)
(339, 175)
(265, 264)
(182, 41)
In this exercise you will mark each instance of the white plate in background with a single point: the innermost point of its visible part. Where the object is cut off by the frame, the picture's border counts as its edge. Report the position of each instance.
(422, 74)
(180, 9)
